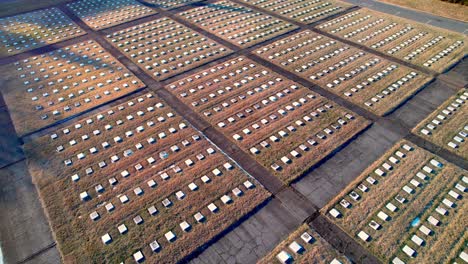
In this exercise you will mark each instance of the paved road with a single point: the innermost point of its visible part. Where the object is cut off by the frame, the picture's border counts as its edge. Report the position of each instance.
(9, 144)
(423, 17)
(327, 180)
(24, 230)
(342, 241)
(289, 207)
(253, 238)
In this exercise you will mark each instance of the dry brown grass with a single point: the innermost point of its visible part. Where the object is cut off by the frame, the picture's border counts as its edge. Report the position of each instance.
(23, 109)
(206, 103)
(282, 122)
(13, 7)
(79, 238)
(301, 57)
(299, 165)
(390, 239)
(318, 252)
(386, 243)
(302, 9)
(451, 237)
(436, 7)
(35, 29)
(457, 249)
(236, 23)
(450, 127)
(160, 59)
(443, 63)
(202, 90)
(170, 4)
(105, 14)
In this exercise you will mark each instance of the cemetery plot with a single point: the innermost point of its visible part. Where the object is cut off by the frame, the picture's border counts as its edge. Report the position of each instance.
(447, 126)
(284, 126)
(407, 207)
(303, 11)
(304, 245)
(417, 43)
(100, 14)
(462, 256)
(164, 48)
(50, 87)
(170, 4)
(36, 29)
(370, 81)
(136, 183)
(237, 24)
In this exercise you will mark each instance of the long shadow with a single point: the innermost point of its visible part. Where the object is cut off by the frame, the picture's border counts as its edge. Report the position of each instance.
(12, 89)
(456, 64)
(16, 37)
(76, 60)
(9, 143)
(34, 7)
(152, 4)
(197, 252)
(331, 154)
(196, 3)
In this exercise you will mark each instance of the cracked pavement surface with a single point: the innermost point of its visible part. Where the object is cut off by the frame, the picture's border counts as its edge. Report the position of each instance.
(253, 238)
